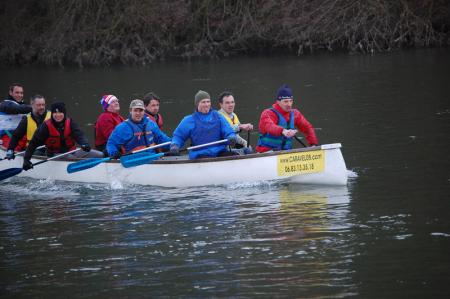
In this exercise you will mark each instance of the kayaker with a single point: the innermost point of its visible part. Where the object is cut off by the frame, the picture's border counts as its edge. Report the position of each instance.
(29, 123)
(135, 133)
(107, 121)
(277, 124)
(227, 105)
(59, 134)
(13, 104)
(203, 126)
(152, 103)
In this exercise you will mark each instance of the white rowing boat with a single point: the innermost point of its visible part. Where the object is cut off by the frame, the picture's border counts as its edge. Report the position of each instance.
(322, 164)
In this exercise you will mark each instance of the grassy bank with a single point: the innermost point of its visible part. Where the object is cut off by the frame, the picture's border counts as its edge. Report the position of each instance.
(132, 32)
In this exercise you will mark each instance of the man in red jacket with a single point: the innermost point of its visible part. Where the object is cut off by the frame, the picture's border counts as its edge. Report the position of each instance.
(107, 121)
(277, 125)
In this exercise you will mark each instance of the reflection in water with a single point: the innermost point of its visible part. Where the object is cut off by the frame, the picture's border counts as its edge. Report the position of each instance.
(310, 236)
(267, 239)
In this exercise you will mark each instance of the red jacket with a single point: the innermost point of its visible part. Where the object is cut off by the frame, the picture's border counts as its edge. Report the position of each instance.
(104, 126)
(268, 124)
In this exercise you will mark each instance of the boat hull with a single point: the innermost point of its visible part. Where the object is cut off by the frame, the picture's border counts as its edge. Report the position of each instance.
(294, 166)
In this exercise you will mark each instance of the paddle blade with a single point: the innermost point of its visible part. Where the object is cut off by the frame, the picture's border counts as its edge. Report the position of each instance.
(7, 173)
(85, 164)
(139, 159)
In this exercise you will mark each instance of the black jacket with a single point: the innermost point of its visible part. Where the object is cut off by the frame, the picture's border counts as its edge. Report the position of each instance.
(21, 129)
(42, 134)
(10, 106)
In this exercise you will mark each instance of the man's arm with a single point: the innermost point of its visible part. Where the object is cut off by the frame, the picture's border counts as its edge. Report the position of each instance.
(78, 134)
(116, 139)
(18, 133)
(268, 123)
(306, 128)
(160, 136)
(183, 131)
(10, 107)
(39, 138)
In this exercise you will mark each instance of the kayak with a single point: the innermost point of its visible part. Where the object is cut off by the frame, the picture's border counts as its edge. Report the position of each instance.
(323, 165)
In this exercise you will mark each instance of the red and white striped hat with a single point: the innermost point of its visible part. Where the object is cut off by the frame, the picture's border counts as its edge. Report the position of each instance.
(107, 99)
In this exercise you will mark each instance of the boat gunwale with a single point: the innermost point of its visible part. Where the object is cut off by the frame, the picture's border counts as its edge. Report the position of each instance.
(176, 160)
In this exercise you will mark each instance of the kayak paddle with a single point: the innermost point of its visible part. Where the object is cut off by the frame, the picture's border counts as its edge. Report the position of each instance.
(85, 164)
(139, 159)
(7, 173)
(22, 152)
(145, 158)
(89, 163)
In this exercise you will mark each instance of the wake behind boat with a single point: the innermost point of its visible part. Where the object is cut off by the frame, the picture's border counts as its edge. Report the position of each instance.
(322, 164)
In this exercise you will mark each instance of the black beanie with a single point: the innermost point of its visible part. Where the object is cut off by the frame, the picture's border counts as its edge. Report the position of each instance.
(58, 107)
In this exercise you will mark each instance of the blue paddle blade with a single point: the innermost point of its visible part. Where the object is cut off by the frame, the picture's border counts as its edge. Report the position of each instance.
(139, 159)
(7, 173)
(85, 164)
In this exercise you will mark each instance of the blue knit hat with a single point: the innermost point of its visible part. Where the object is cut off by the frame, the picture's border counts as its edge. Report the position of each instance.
(284, 92)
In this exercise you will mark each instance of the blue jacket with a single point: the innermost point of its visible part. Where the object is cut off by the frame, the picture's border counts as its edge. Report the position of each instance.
(129, 135)
(203, 128)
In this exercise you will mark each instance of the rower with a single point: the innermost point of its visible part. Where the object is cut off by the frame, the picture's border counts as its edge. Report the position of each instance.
(227, 104)
(107, 121)
(13, 104)
(135, 133)
(59, 134)
(277, 124)
(203, 126)
(152, 103)
(29, 123)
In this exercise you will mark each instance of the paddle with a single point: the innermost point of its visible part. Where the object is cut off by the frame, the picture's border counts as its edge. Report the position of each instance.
(7, 173)
(89, 163)
(22, 152)
(207, 144)
(299, 140)
(139, 159)
(145, 158)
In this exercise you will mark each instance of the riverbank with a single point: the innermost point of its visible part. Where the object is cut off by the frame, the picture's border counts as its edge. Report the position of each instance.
(120, 32)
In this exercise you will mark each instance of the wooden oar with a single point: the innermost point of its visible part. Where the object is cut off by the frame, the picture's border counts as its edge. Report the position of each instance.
(22, 152)
(89, 163)
(7, 173)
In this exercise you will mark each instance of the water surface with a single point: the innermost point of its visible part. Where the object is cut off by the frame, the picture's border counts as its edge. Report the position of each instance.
(385, 235)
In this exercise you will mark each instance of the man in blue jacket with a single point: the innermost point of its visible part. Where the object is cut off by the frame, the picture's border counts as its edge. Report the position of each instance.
(134, 133)
(205, 125)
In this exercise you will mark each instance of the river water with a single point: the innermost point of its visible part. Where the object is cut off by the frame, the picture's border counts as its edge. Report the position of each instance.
(384, 235)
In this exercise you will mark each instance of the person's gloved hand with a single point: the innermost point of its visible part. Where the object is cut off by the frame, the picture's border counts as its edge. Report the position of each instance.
(27, 165)
(10, 155)
(116, 155)
(174, 150)
(248, 150)
(86, 147)
(232, 140)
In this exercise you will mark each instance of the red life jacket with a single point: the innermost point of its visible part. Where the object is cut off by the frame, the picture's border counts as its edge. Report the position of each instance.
(152, 118)
(54, 141)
